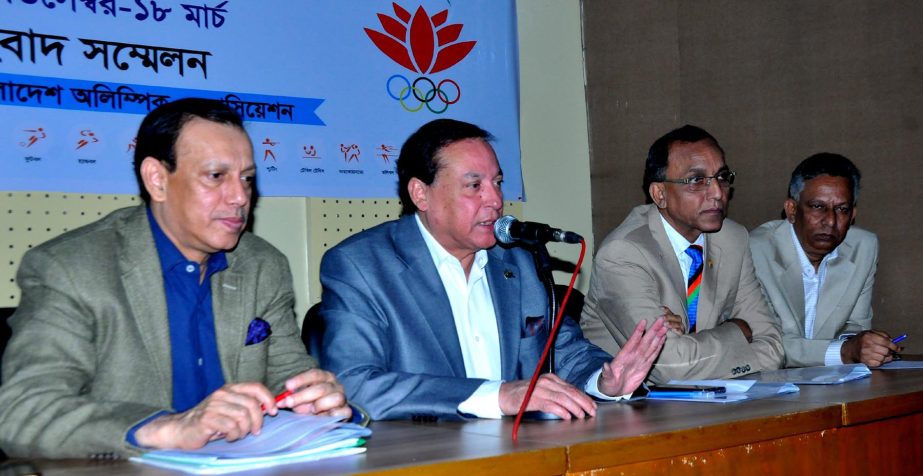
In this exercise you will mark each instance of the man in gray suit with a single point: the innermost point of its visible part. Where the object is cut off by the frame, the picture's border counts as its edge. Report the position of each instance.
(427, 319)
(817, 270)
(680, 258)
(164, 325)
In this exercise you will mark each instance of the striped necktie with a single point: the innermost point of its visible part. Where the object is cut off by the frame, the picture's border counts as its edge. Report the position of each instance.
(692, 284)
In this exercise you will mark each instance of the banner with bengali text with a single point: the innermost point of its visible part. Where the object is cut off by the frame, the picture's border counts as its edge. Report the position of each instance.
(329, 90)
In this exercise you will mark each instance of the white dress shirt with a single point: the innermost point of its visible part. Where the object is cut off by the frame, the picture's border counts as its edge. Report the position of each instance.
(813, 283)
(680, 244)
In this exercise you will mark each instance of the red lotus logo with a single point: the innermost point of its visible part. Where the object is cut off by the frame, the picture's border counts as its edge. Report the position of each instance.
(423, 44)
(422, 36)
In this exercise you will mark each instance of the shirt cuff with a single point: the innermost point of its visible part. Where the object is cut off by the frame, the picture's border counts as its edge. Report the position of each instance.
(592, 388)
(130, 436)
(484, 402)
(833, 356)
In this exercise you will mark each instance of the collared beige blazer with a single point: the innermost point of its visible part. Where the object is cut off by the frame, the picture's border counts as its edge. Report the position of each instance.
(844, 303)
(635, 272)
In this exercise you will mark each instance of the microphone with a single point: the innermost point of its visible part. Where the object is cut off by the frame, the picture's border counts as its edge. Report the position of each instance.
(508, 230)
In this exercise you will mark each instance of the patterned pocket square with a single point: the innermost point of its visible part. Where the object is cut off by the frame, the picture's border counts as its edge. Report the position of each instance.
(534, 325)
(258, 331)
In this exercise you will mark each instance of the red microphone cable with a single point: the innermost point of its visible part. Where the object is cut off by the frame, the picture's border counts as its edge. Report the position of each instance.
(551, 338)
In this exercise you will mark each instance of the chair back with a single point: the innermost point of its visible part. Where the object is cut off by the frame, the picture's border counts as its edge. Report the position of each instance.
(312, 331)
(574, 305)
(5, 332)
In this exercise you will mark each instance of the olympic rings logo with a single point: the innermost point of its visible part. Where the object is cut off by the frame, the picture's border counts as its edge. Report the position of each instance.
(446, 91)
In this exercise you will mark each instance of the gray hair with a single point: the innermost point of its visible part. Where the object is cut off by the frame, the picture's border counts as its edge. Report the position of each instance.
(824, 163)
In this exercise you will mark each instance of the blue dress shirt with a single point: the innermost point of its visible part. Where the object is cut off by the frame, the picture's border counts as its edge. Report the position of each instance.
(193, 345)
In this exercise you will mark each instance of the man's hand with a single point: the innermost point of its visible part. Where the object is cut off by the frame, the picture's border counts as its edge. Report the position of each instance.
(551, 395)
(231, 412)
(316, 392)
(673, 321)
(629, 367)
(871, 348)
(744, 328)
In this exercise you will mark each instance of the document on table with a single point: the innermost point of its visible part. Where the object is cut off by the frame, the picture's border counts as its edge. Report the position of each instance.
(822, 375)
(901, 365)
(735, 390)
(285, 438)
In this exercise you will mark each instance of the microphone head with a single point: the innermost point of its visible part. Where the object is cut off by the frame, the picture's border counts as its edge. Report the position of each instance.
(502, 229)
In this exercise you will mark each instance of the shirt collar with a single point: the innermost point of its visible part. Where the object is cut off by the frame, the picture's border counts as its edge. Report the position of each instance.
(807, 267)
(439, 254)
(679, 242)
(170, 256)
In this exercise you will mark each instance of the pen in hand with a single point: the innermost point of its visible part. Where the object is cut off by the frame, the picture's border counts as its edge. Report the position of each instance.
(279, 398)
(895, 340)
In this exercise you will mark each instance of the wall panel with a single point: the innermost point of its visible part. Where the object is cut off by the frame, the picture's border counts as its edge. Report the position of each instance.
(774, 82)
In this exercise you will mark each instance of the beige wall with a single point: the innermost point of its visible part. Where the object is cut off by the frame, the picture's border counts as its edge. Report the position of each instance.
(774, 82)
(555, 152)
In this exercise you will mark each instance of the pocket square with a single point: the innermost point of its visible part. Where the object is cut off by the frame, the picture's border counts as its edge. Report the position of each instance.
(534, 325)
(258, 331)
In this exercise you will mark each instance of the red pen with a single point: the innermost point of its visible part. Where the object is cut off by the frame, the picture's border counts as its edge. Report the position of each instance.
(279, 398)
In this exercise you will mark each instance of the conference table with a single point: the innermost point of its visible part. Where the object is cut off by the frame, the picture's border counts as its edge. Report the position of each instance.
(868, 426)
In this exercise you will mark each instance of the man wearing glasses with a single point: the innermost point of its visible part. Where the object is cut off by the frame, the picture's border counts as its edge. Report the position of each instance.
(678, 258)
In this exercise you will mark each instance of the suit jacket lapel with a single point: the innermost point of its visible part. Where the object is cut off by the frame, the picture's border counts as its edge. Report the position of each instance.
(840, 272)
(428, 293)
(229, 316)
(503, 277)
(667, 256)
(142, 277)
(674, 271)
(788, 272)
(706, 316)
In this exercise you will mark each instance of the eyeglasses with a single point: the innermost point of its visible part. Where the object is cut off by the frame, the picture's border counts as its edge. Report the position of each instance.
(699, 183)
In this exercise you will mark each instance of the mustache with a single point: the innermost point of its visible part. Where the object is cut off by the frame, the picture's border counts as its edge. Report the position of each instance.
(240, 213)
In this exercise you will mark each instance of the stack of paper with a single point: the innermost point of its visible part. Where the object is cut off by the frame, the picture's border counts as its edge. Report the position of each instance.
(735, 390)
(902, 365)
(285, 438)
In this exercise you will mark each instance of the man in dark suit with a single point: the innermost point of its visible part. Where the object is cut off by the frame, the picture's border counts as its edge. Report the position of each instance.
(818, 271)
(150, 328)
(426, 318)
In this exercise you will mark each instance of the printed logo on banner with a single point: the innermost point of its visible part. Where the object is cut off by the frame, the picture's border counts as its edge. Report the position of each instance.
(423, 44)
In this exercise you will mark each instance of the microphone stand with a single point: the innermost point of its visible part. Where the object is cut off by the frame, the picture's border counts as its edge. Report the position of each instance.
(543, 268)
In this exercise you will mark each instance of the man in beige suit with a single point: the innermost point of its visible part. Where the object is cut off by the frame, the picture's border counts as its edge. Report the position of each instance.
(163, 325)
(722, 326)
(817, 270)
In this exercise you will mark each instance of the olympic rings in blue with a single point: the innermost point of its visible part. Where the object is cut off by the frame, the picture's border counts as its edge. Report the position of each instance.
(403, 91)
(424, 96)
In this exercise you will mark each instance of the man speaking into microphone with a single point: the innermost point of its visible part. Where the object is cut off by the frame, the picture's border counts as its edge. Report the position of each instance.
(426, 318)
